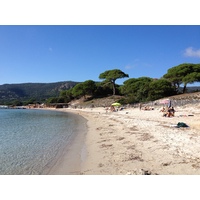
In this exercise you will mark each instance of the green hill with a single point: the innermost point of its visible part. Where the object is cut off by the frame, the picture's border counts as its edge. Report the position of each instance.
(37, 91)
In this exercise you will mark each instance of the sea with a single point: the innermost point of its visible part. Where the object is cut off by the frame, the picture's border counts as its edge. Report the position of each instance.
(31, 141)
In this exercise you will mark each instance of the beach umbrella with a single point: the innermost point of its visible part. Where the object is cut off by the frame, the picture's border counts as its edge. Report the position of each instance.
(164, 101)
(116, 104)
(169, 103)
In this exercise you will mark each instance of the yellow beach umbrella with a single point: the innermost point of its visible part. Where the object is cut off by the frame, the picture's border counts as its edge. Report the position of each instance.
(116, 104)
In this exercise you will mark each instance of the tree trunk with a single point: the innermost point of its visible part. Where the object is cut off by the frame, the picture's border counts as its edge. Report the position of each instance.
(114, 90)
(184, 88)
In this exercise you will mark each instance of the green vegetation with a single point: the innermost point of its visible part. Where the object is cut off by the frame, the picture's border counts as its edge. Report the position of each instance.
(110, 76)
(183, 74)
(146, 89)
(140, 89)
(133, 90)
(82, 89)
(31, 93)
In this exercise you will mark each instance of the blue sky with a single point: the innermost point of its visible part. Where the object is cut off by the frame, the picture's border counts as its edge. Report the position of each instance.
(62, 53)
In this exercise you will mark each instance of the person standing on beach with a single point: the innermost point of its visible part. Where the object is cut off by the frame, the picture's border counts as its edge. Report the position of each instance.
(140, 106)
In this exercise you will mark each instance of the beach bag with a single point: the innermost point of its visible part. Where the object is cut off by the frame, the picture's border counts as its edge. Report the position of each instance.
(182, 124)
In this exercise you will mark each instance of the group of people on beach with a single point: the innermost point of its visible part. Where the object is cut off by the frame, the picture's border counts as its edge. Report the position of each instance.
(146, 107)
(168, 111)
(111, 109)
(114, 109)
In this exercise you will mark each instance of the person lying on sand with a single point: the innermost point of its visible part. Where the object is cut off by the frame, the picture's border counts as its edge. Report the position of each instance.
(162, 109)
(112, 109)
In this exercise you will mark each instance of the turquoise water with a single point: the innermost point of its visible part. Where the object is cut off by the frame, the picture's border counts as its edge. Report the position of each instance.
(32, 140)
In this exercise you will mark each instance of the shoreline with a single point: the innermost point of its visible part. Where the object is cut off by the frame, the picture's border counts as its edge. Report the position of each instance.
(70, 160)
(136, 142)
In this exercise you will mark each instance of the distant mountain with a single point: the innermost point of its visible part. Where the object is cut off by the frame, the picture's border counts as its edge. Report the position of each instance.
(193, 89)
(38, 91)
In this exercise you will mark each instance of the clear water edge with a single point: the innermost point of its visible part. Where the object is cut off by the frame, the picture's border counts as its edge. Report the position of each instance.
(32, 141)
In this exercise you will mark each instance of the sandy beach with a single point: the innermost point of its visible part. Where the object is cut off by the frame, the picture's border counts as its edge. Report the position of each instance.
(136, 142)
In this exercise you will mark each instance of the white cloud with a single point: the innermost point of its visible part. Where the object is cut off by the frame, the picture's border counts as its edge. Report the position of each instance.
(191, 52)
(137, 64)
(128, 67)
(133, 65)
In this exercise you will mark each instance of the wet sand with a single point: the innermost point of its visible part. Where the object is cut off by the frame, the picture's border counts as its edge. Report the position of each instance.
(74, 155)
